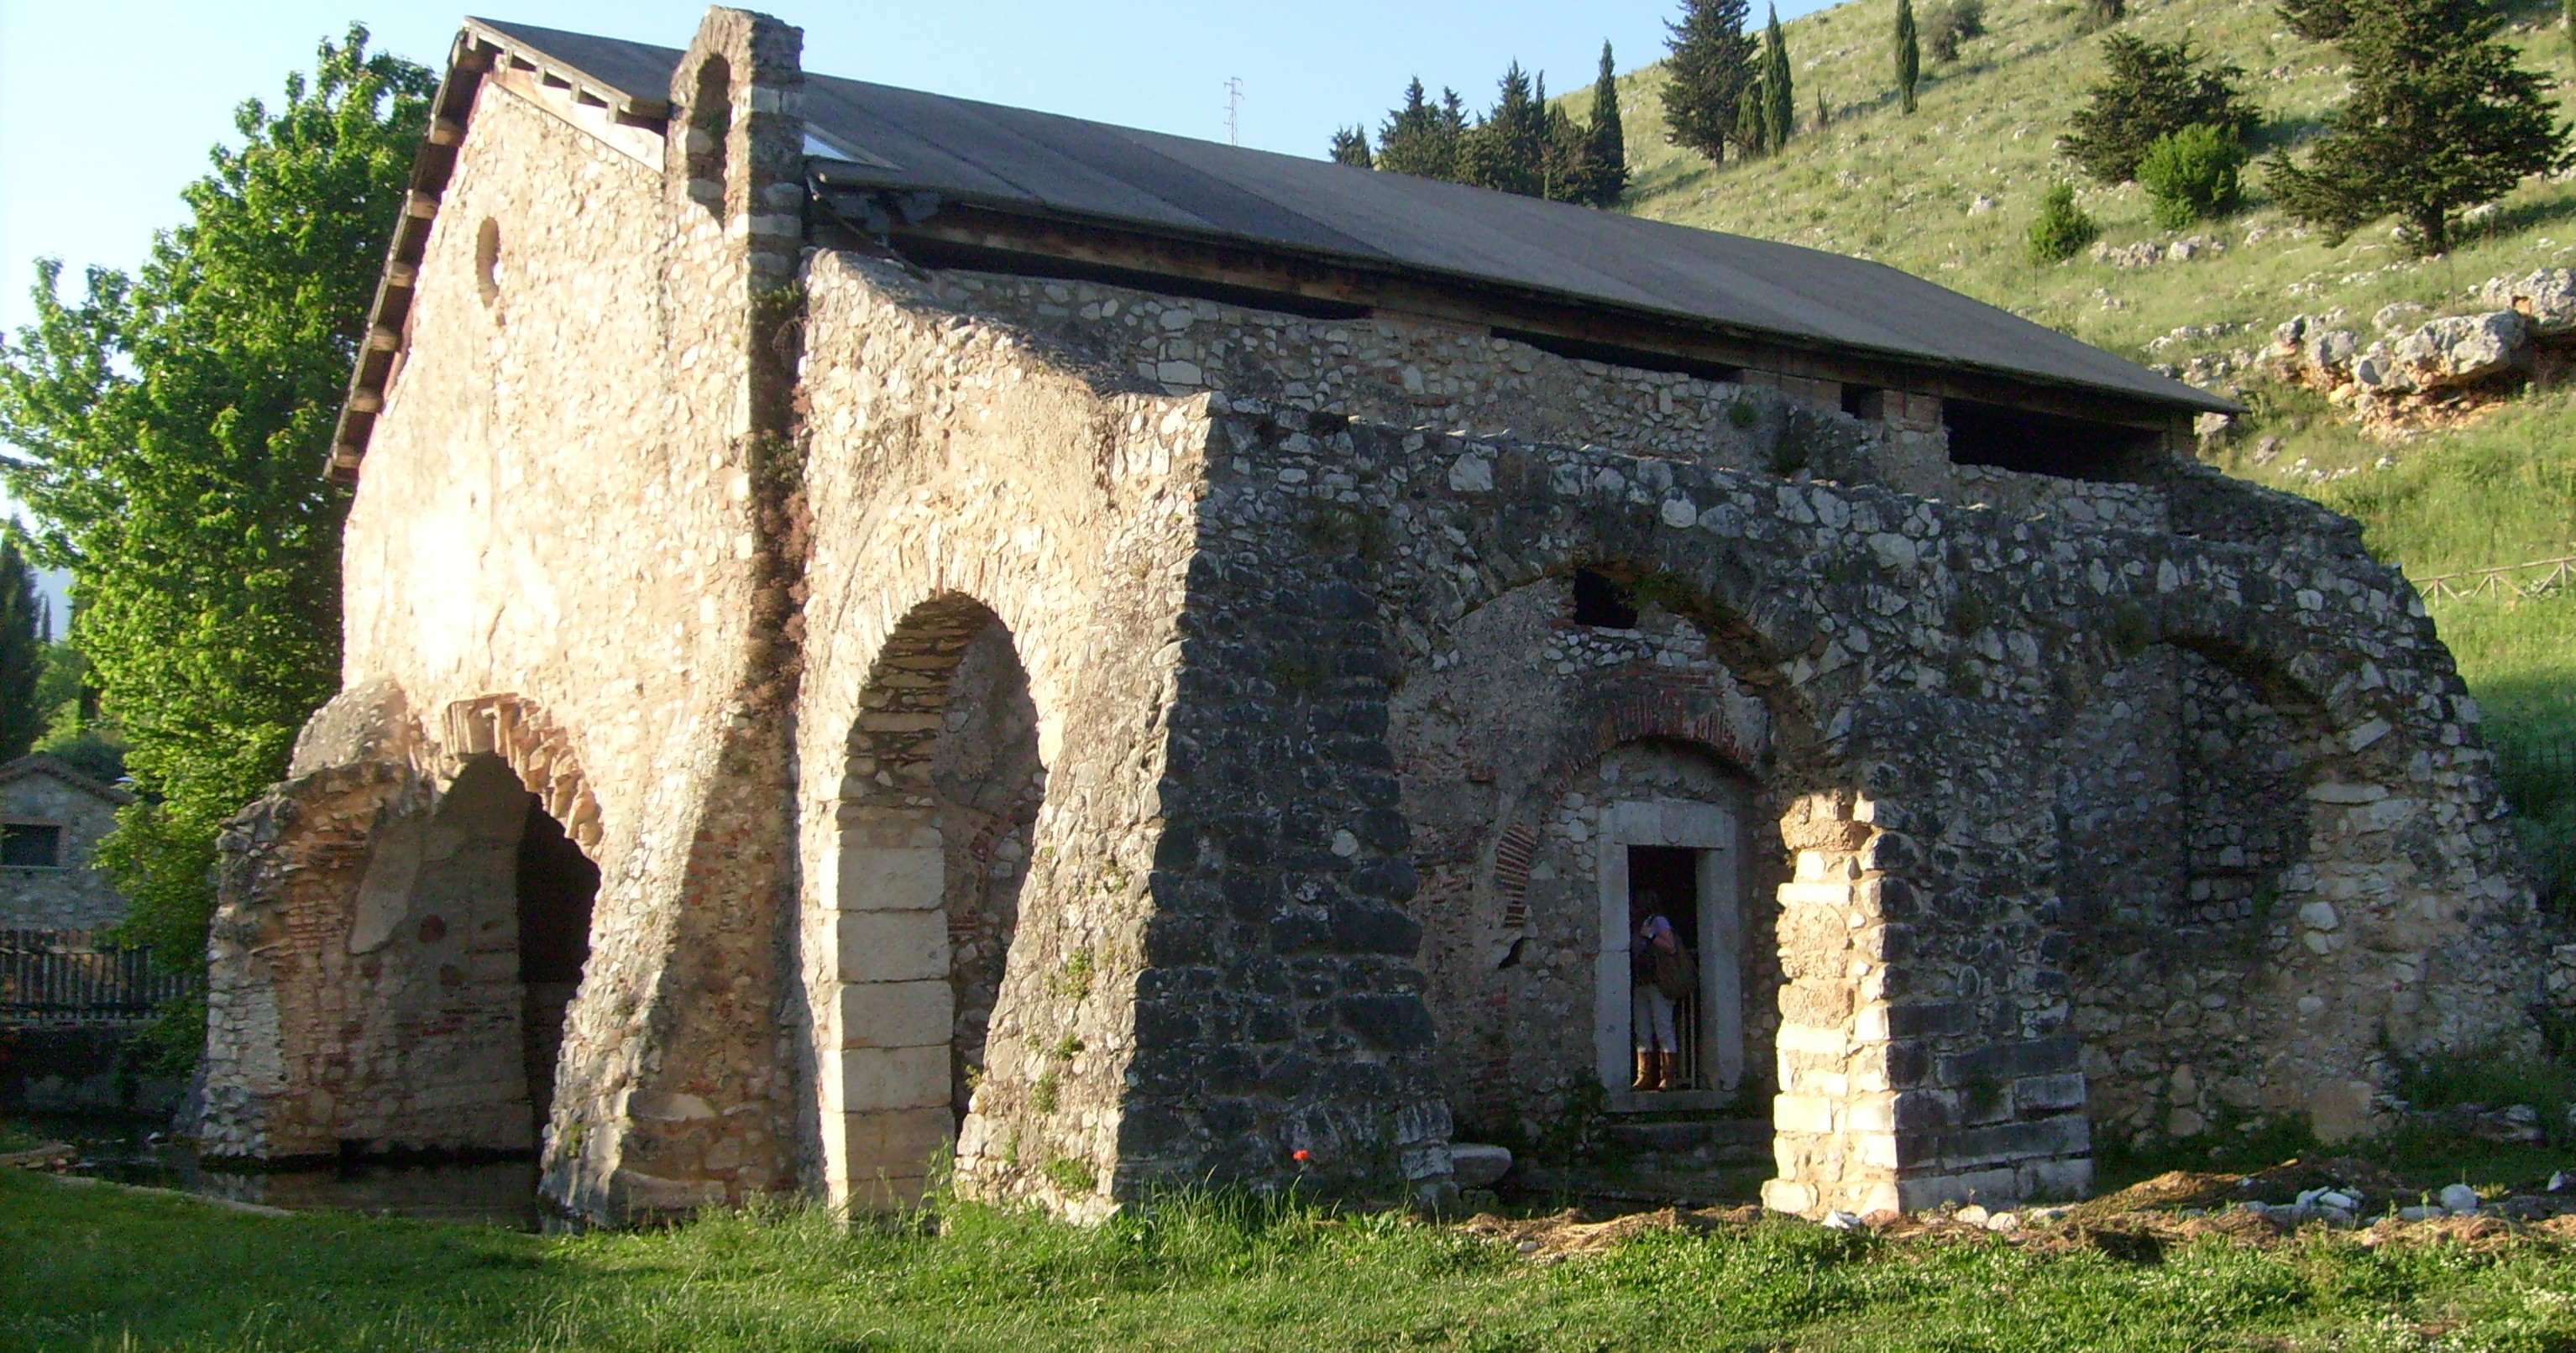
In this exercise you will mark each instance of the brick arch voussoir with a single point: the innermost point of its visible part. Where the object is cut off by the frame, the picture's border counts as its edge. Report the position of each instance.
(539, 750)
(1627, 717)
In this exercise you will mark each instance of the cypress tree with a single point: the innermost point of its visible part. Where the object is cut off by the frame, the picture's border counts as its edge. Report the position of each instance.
(2151, 90)
(1570, 176)
(1422, 139)
(2440, 118)
(1507, 148)
(1909, 57)
(22, 652)
(1751, 139)
(1351, 147)
(1710, 70)
(1607, 140)
(1779, 95)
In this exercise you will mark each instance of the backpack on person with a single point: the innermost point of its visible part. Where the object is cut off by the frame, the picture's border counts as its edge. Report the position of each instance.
(1676, 972)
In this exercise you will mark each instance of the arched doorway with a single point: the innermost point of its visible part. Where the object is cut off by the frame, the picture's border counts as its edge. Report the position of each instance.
(937, 822)
(555, 886)
(1668, 841)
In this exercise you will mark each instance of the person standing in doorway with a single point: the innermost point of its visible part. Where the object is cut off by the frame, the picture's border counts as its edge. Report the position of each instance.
(1660, 971)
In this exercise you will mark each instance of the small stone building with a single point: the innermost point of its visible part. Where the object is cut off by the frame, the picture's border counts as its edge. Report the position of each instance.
(51, 816)
(885, 630)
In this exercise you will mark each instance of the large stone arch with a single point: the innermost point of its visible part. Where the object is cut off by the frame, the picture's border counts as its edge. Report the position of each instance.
(1500, 739)
(934, 835)
(2282, 882)
(372, 990)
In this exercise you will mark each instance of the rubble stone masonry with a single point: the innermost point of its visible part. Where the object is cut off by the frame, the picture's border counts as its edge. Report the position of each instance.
(1098, 740)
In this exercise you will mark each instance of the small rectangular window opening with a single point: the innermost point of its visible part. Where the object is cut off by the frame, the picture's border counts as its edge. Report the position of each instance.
(31, 845)
(1865, 402)
(2045, 443)
(1602, 603)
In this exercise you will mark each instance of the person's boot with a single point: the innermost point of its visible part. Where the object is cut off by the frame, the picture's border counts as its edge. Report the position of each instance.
(1667, 1070)
(1645, 1072)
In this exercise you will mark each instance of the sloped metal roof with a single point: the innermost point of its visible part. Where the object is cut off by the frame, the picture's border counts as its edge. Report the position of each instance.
(1016, 159)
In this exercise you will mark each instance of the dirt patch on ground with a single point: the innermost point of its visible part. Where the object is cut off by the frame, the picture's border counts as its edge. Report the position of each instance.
(2138, 1224)
(1579, 1231)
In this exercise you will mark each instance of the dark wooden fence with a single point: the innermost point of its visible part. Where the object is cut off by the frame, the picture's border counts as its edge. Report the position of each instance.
(75, 977)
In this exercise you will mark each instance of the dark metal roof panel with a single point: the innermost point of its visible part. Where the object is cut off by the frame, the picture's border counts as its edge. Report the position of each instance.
(640, 71)
(1066, 166)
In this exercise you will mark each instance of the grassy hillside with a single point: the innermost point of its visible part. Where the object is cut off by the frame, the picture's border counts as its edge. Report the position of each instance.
(1949, 193)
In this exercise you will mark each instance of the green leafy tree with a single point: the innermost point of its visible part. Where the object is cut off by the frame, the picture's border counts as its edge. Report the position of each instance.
(1779, 89)
(1908, 54)
(2062, 229)
(2191, 175)
(74, 732)
(1351, 147)
(2150, 90)
(1709, 70)
(22, 651)
(169, 432)
(1607, 139)
(1507, 149)
(1421, 138)
(1950, 23)
(2440, 119)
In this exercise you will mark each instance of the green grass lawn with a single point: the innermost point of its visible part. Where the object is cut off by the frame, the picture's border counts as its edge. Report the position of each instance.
(94, 1268)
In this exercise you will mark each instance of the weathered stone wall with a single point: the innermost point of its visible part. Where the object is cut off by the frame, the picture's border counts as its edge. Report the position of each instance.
(71, 895)
(1512, 743)
(1126, 740)
(1404, 373)
(566, 508)
(1912, 656)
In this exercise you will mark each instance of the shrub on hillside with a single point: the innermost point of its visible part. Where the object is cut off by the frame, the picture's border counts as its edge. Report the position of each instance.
(2149, 91)
(2062, 230)
(2191, 175)
(1951, 22)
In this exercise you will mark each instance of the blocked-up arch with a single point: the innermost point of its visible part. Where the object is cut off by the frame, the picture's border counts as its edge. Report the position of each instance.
(1536, 708)
(934, 837)
(2214, 875)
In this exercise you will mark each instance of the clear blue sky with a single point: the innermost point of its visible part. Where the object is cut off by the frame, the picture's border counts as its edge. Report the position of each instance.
(108, 106)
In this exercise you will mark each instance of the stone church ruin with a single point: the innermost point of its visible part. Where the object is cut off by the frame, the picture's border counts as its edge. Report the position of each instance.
(890, 635)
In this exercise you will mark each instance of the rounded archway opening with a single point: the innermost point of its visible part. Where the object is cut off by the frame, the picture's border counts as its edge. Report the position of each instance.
(555, 887)
(2187, 836)
(937, 824)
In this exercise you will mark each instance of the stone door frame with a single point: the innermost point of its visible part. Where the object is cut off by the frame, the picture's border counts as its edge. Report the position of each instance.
(1712, 830)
